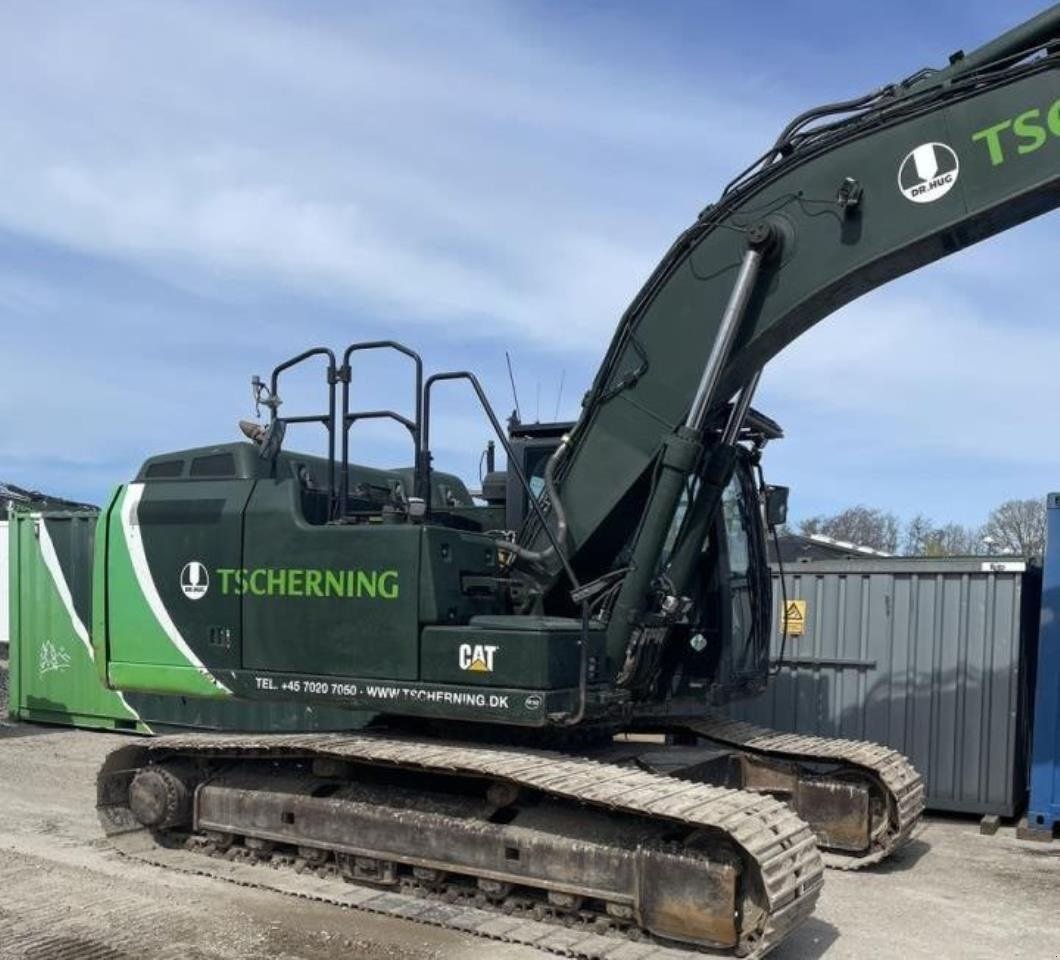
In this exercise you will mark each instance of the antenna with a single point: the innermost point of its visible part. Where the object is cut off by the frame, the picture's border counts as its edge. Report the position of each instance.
(559, 396)
(537, 416)
(515, 394)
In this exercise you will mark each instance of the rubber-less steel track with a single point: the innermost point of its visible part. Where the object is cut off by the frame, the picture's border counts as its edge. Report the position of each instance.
(775, 843)
(899, 781)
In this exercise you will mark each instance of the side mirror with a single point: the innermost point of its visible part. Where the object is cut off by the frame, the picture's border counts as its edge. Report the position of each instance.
(776, 506)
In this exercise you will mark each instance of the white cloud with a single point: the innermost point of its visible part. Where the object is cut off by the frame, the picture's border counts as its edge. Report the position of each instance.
(359, 158)
(928, 365)
(934, 394)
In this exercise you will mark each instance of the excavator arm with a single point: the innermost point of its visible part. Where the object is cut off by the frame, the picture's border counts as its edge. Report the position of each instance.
(850, 196)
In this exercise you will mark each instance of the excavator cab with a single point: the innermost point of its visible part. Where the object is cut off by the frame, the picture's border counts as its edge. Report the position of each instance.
(721, 649)
(722, 652)
(256, 571)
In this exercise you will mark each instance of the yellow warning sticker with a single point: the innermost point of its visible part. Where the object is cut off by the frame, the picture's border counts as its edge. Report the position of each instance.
(793, 622)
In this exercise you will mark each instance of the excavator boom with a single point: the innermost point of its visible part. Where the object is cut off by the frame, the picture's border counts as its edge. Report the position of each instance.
(853, 196)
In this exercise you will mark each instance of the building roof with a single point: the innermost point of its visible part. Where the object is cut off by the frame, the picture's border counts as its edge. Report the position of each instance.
(19, 497)
(795, 548)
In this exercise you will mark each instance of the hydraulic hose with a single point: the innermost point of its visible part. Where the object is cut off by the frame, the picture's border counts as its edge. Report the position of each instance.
(827, 109)
(537, 556)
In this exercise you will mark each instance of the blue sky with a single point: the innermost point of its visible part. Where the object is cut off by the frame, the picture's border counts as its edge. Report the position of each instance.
(194, 191)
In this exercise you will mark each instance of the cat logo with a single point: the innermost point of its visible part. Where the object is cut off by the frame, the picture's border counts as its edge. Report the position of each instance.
(477, 658)
(194, 580)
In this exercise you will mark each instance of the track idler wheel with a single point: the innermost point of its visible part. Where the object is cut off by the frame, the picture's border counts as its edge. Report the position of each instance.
(160, 797)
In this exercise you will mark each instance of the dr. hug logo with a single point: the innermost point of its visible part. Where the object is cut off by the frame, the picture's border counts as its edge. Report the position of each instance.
(194, 580)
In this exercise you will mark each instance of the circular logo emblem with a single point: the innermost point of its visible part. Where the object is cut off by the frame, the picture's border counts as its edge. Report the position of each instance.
(194, 580)
(928, 173)
(532, 702)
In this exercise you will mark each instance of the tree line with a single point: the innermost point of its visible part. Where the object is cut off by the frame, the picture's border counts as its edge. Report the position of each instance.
(1014, 527)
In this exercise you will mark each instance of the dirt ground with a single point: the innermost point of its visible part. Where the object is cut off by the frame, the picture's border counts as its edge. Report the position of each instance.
(65, 896)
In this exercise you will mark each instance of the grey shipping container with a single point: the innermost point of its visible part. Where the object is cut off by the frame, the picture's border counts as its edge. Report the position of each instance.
(929, 656)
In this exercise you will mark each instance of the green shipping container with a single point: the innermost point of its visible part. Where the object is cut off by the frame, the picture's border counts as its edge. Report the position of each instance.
(53, 675)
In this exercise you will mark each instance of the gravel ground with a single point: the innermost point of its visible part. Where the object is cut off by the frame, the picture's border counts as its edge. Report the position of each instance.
(65, 896)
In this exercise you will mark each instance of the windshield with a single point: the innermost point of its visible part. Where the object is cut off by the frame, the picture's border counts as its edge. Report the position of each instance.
(534, 467)
(749, 581)
(735, 511)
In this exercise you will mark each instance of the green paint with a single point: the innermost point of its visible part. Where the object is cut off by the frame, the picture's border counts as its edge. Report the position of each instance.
(100, 626)
(992, 135)
(1028, 131)
(149, 678)
(54, 675)
(14, 613)
(1026, 128)
(134, 632)
(298, 582)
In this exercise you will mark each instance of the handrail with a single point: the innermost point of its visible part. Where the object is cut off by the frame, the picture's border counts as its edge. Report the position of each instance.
(348, 419)
(424, 457)
(328, 419)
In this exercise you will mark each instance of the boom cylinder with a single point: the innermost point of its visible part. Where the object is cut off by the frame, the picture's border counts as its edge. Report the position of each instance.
(713, 478)
(719, 352)
(680, 455)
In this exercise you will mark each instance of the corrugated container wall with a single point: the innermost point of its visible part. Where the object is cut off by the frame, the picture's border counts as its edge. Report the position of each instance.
(4, 606)
(927, 656)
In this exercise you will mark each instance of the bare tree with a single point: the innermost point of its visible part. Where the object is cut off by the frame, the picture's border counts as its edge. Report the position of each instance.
(924, 539)
(1018, 526)
(917, 534)
(865, 526)
(953, 540)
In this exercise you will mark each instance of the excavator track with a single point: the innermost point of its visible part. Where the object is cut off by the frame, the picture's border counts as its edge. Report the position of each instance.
(773, 870)
(891, 772)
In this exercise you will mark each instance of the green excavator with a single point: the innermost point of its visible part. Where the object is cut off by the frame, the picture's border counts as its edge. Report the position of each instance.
(546, 762)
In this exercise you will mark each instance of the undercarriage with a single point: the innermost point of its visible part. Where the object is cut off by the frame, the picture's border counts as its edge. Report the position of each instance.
(702, 836)
(862, 800)
(567, 853)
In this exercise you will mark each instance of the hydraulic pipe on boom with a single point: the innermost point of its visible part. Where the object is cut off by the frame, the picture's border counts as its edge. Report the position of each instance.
(739, 410)
(1039, 30)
